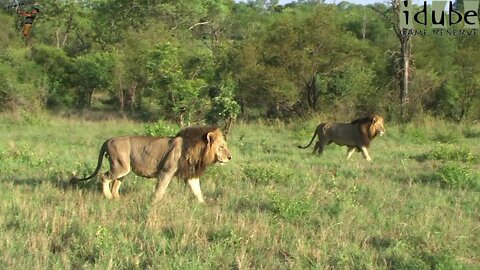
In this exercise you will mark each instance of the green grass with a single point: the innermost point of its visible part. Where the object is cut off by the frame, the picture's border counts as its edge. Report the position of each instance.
(274, 206)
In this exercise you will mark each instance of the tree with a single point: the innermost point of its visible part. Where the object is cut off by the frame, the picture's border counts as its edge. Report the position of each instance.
(92, 72)
(178, 93)
(305, 46)
(393, 17)
(224, 107)
(58, 68)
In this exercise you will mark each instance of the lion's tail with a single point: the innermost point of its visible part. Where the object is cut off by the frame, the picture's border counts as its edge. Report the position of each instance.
(103, 149)
(313, 137)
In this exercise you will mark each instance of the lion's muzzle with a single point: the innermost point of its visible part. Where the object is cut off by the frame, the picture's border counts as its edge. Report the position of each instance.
(223, 160)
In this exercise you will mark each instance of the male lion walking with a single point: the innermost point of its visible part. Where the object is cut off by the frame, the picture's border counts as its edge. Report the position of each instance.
(185, 156)
(355, 135)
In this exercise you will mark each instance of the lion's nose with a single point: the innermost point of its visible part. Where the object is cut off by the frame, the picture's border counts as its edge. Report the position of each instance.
(229, 157)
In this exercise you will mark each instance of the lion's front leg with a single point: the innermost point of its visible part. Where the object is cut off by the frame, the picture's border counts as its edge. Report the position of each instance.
(194, 185)
(162, 184)
(365, 153)
(168, 171)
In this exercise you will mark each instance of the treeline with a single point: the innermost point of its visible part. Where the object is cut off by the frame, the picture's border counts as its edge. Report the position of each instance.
(188, 60)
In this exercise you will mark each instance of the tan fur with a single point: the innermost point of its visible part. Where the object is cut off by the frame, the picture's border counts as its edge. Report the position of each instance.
(186, 156)
(355, 135)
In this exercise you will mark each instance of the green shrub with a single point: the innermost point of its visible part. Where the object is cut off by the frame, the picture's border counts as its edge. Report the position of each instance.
(290, 208)
(450, 152)
(260, 175)
(471, 133)
(226, 236)
(18, 154)
(451, 137)
(333, 209)
(160, 128)
(414, 135)
(453, 175)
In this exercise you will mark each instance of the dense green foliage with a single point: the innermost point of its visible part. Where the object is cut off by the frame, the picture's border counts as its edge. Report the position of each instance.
(190, 60)
(176, 62)
(274, 206)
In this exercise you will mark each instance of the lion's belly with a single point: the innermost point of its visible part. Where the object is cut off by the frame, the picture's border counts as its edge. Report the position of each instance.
(344, 135)
(145, 167)
(344, 142)
(145, 172)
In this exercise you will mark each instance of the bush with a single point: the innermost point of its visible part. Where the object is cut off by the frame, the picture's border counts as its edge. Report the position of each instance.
(266, 175)
(290, 208)
(471, 133)
(414, 135)
(161, 128)
(447, 137)
(22, 85)
(453, 175)
(446, 152)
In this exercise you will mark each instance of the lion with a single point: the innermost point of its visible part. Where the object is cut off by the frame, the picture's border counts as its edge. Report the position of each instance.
(185, 156)
(355, 135)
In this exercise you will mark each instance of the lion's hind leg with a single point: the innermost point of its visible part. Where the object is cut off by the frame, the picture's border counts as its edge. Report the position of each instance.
(320, 146)
(115, 187)
(105, 178)
(116, 173)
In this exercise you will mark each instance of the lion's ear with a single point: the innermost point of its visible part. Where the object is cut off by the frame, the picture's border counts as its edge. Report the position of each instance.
(374, 119)
(210, 137)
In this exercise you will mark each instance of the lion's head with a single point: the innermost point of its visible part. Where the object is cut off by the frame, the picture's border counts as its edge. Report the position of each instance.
(203, 146)
(219, 146)
(376, 126)
(371, 126)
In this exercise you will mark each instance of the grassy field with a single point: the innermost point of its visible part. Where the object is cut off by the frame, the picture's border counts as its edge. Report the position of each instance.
(274, 206)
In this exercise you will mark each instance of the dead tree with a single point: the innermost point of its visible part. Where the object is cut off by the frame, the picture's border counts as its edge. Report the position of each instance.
(404, 39)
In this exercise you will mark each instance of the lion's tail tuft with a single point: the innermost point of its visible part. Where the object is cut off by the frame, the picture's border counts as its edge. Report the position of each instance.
(75, 180)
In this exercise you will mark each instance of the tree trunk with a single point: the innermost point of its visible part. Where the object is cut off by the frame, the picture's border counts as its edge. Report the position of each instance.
(65, 35)
(132, 95)
(406, 54)
(90, 97)
(312, 92)
(67, 31)
(121, 98)
(364, 27)
(228, 125)
(405, 51)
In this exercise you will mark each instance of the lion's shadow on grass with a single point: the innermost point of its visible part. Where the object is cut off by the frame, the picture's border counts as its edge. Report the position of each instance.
(419, 158)
(62, 184)
(56, 181)
(379, 242)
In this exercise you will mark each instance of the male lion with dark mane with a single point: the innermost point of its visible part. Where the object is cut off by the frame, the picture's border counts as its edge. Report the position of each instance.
(355, 135)
(185, 156)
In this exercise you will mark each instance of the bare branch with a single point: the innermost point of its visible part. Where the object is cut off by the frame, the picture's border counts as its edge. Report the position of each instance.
(197, 24)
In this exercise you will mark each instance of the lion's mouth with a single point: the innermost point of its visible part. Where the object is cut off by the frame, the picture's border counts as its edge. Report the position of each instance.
(223, 160)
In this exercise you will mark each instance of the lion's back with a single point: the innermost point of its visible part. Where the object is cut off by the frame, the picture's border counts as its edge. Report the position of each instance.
(144, 154)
